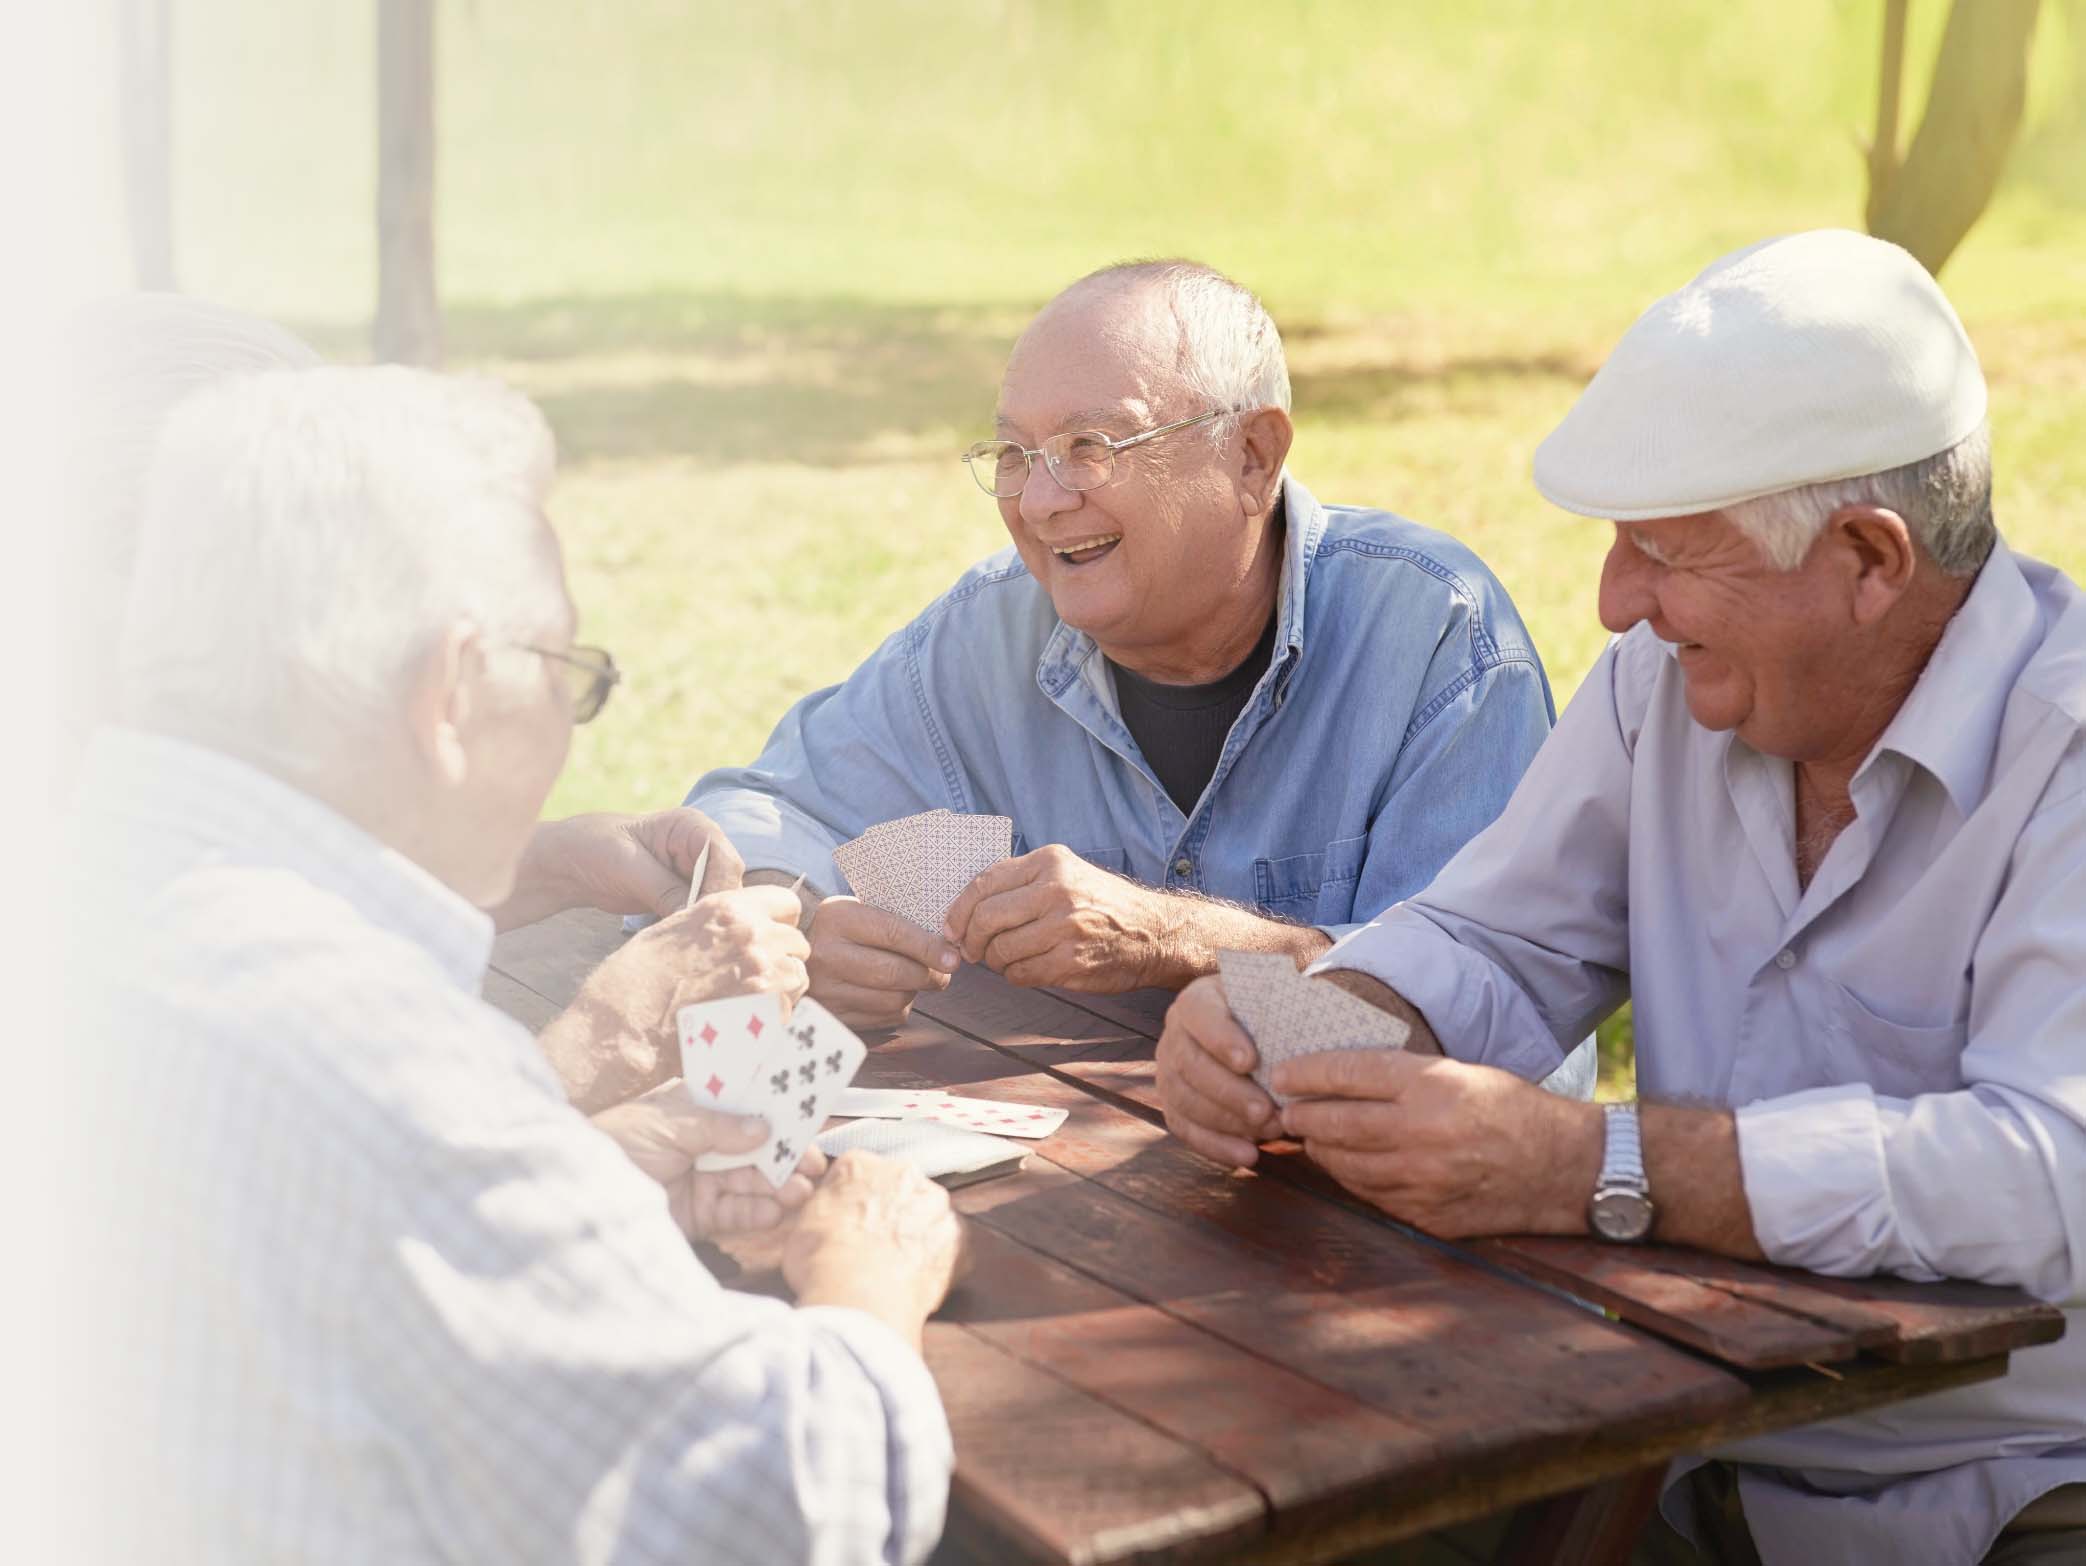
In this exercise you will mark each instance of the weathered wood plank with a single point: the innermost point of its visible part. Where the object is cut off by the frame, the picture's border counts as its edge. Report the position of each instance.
(554, 956)
(1730, 1308)
(520, 1002)
(1047, 1472)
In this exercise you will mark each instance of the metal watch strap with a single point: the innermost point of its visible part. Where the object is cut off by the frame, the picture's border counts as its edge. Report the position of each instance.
(1622, 1163)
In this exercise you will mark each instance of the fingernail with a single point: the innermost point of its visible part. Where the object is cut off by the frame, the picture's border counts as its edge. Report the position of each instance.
(947, 959)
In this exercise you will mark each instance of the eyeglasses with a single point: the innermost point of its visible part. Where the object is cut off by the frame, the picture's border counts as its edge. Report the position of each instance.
(1080, 459)
(590, 674)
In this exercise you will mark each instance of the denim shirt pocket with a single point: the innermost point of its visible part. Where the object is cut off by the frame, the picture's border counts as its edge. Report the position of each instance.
(1319, 887)
(1107, 858)
(1897, 1059)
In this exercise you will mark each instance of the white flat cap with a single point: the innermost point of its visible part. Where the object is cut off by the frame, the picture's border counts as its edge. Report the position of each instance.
(1795, 361)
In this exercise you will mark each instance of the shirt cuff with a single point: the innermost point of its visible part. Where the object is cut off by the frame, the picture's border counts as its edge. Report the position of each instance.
(771, 834)
(1477, 1011)
(1815, 1180)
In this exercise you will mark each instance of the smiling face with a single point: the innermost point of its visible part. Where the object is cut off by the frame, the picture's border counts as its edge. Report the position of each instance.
(1773, 655)
(1164, 562)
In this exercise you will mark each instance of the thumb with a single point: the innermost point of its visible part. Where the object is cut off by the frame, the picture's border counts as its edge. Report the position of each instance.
(668, 1113)
(657, 886)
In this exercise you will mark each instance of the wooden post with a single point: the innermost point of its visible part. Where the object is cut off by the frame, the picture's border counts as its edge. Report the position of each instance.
(145, 87)
(1973, 112)
(1890, 83)
(409, 313)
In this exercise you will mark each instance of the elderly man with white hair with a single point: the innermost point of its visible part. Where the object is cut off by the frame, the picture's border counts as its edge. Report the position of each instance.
(1220, 714)
(355, 1281)
(1819, 811)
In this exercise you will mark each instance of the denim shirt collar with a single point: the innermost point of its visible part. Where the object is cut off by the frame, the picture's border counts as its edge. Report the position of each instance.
(1068, 656)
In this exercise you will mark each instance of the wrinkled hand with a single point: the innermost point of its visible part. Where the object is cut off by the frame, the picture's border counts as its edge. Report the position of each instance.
(1203, 1060)
(1051, 918)
(620, 864)
(879, 1236)
(618, 1037)
(1454, 1149)
(663, 1133)
(867, 965)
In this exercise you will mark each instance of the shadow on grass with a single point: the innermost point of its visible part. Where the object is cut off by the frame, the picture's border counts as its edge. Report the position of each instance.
(838, 382)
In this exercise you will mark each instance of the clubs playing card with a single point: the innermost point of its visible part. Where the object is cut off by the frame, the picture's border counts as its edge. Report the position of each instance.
(793, 1079)
(1286, 1014)
(918, 865)
(946, 1153)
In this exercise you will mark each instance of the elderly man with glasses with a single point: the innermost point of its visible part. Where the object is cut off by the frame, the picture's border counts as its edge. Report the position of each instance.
(348, 1276)
(1220, 714)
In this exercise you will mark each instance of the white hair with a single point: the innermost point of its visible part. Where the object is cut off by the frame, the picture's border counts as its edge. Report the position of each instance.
(1230, 352)
(309, 536)
(1945, 499)
(130, 361)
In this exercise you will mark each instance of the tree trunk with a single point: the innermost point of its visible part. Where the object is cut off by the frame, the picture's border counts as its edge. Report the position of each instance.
(1973, 111)
(145, 84)
(409, 314)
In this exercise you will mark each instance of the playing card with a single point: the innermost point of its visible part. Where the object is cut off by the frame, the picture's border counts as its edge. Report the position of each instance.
(803, 1076)
(722, 1045)
(917, 865)
(993, 1116)
(695, 877)
(888, 1103)
(1287, 1014)
(946, 1153)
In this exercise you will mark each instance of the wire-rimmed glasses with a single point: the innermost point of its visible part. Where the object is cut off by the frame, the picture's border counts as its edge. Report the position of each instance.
(1077, 459)
(590, 674)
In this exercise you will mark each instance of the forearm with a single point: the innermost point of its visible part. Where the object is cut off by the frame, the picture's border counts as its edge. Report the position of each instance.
(1421, 1040)
(864, 1288)
(601, 1059)
(1697, 1181)
(1193, 930)
(540, 887)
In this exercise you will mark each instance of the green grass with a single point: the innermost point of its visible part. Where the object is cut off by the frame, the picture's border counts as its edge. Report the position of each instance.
(760, 264)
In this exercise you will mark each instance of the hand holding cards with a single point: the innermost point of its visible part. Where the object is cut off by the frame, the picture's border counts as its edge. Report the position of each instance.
(918, 865)
(1286, 1014)
(739, 1055)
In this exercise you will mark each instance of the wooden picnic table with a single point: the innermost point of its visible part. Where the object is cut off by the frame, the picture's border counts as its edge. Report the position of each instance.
(1156, 1359)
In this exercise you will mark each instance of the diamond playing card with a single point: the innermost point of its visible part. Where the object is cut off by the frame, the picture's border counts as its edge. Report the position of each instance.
(791, 1075)
(888, 1103)
(994, 1117)
(1286, 1014)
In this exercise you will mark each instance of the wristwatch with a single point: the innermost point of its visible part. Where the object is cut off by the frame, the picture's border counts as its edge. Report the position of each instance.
(1621, 1207)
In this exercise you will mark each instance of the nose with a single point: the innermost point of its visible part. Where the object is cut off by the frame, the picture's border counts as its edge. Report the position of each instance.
(1627, 594)
(1043, 497)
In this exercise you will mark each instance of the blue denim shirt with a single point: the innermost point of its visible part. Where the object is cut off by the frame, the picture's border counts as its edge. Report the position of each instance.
(1401, 706)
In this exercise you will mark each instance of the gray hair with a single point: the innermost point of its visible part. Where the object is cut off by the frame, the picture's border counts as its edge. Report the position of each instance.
(1230, 352)
(309, 536)
(1945, 499)
(130, 360)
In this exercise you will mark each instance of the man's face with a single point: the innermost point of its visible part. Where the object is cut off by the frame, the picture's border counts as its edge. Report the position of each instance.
(1148, 561)
(1770, 654)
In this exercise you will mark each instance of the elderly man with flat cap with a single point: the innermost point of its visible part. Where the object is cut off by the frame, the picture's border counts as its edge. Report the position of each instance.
(1219, 713)
(1819, 811)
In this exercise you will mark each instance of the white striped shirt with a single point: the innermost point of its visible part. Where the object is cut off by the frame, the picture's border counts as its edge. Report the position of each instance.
(361, 1285)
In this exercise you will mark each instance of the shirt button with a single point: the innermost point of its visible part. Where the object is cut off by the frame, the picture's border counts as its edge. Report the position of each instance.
(1785, 959)
(1183, 867)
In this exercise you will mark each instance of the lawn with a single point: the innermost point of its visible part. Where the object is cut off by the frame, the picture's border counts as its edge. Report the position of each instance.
(760, 265)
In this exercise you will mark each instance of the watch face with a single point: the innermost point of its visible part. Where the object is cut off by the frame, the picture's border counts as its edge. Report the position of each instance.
(1621, 1215)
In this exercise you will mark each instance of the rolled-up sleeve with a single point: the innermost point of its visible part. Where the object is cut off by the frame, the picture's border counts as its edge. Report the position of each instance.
(1986, 1183)
(840, 760)
(1521, 943)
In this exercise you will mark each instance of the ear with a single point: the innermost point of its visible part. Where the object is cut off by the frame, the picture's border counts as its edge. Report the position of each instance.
(1879, 558)
(1264, 444)
(439, 711)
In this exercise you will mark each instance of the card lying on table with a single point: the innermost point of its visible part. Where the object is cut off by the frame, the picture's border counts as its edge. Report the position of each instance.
(1287, 1015)
(945, 1153)
(997, 1117)
(738, 1055)
(916, 866)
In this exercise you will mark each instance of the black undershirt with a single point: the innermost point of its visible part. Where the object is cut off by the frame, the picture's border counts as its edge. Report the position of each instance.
(1181, 728)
